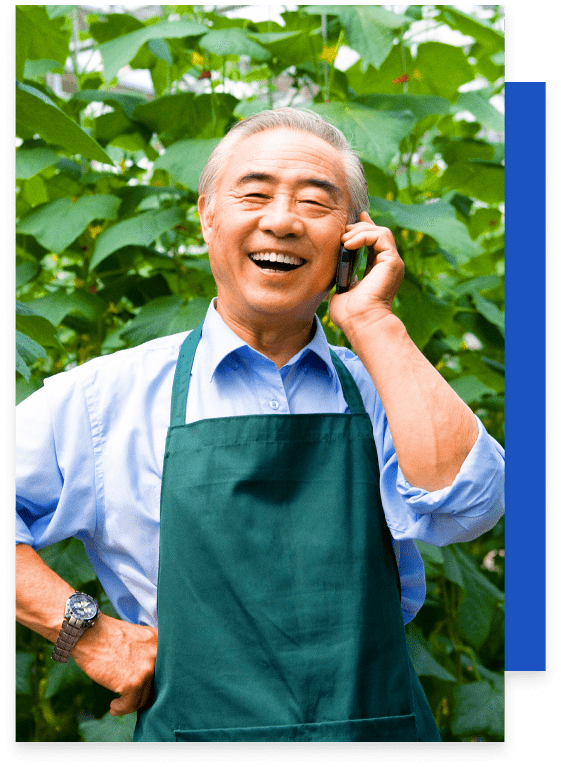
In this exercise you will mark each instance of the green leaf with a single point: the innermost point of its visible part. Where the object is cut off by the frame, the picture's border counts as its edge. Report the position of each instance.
(287, 48)
(430, 553)
(39, 36)
(436, 219)
(125, 101)
(365, 79)
(452, 569)
(36, 327)
(421, 106)
(161, 50)
(442, 69)
(233, 42)
(482, 598)
(423, 662)
(140, 230)
(421, 312)
(118, 52)
(489, 311)
(59, 304)
(184, 115)
(185, 160)
(59, 223)
(55, 11)
(27, 352)
(25, 271)
(480, 180)
(69, 560)
(375, 135)
(481, 31)
(118, 729)
(481, 108)
(369, 30)
(36, 113)
(479, 709)
(24, 661)
(470, 388)
(63, 675)
(32, 161)
(153, 320)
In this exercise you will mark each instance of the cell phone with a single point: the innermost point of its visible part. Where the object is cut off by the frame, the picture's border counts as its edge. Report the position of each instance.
(346, 267)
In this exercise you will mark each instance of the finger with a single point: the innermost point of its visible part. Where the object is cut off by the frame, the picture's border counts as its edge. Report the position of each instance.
(130, 701)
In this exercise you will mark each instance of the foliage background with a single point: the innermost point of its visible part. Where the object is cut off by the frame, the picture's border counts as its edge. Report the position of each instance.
(109, 252)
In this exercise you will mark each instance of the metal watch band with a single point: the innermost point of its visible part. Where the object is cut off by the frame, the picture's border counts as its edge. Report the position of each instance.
(69, 635)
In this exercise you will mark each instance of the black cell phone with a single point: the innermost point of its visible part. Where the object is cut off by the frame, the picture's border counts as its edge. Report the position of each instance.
(346, 267)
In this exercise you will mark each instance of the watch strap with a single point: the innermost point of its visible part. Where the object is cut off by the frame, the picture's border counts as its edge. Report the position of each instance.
(69, 635)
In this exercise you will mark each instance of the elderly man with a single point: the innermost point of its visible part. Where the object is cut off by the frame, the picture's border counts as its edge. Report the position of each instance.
(275, 523)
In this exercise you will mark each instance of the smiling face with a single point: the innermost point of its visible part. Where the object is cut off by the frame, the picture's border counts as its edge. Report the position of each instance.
(274, 226)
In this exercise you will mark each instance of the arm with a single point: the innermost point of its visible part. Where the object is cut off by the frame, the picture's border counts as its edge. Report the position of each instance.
(433, 430)
(116, 654)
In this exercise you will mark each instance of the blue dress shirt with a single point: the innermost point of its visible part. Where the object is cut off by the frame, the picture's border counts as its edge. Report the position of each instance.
(90, 451)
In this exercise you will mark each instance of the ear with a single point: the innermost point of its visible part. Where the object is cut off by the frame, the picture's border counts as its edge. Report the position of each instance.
(205, 216)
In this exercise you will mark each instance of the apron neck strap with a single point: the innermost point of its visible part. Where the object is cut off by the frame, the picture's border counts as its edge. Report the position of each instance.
(185, 363)
(182, 375)
(350, 389)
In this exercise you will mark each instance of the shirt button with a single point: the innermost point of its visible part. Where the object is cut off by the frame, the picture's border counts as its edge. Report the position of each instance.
(274, 404)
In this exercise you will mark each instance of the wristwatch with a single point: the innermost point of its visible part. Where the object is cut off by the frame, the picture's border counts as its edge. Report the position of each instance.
(80, 614)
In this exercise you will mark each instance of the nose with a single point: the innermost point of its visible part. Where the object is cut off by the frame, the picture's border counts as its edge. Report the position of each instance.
(280, 218)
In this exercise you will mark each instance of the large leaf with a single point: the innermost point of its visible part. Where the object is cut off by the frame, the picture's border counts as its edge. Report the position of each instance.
(59, 223)
(483, 33)
(36, 113)
(32, 161)
(185, 160)
(114, 729)
(35, 326)
(27, 352)
(140, 230)
(24, 661)
(57, 305)
(39, 36)
(421, 106)
(482, 598)
(421, 312)
(69, 560)
(290, 48)
(436, 219)
(184, 115)
(441, 69)
(483, 181)
(233, 42)
(365, 79)
(481, 108)
(164, 316)
(370, 30)
(375, 135)
(423, 662)
(126, 101)
(479, 710)
(118, 52)
(470, 388)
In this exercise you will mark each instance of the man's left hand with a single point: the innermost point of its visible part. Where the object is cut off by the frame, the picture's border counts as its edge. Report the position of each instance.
(371, 298)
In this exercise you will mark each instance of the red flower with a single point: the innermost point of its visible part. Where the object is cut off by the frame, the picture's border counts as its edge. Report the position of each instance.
(403, 79)
(93, 289)
(204, 75)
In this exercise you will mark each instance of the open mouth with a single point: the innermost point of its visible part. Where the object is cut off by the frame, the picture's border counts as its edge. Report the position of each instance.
(276, 262)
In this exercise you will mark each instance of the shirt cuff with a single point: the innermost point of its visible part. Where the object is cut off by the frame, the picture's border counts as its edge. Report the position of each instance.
(476, 490)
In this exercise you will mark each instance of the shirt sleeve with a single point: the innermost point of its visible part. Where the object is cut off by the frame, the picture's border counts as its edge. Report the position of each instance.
(55, 476)
(470, 506)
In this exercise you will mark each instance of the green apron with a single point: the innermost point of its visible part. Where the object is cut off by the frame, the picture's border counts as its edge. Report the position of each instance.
(279, 615)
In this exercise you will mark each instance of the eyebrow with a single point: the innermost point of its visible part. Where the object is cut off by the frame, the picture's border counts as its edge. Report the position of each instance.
(332, 189)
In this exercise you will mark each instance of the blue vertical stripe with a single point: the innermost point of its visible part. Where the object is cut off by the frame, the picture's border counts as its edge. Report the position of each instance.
(525, 376)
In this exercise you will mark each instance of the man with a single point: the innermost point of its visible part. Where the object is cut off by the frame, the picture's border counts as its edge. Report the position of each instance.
(263, 518)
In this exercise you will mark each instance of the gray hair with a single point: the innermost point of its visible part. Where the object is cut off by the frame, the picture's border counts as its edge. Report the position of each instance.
(297, 119)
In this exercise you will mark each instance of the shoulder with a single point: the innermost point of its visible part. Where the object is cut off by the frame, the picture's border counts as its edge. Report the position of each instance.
(125, 374)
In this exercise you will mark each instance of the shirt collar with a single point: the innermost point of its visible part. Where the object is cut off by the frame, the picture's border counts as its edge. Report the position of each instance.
(220, 341)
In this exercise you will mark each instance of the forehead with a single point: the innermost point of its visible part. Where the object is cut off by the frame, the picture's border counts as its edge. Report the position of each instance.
(287, 155)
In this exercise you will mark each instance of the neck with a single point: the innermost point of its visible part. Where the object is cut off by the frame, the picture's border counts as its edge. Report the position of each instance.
(277, 339)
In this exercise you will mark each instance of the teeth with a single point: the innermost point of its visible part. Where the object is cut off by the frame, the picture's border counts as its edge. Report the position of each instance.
(283, 258)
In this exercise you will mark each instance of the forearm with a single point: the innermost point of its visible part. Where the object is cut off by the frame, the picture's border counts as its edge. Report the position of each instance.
(432, 429)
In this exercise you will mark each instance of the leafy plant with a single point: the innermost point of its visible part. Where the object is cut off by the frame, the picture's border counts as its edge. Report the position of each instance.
(109, 252)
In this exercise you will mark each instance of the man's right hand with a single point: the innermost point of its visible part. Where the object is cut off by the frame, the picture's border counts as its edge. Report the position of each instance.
(118, 655)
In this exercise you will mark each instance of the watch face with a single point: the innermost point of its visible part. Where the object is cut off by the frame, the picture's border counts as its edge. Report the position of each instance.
(83, 606)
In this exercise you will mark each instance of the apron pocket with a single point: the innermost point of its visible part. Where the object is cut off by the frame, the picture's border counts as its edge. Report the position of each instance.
(384, 729)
